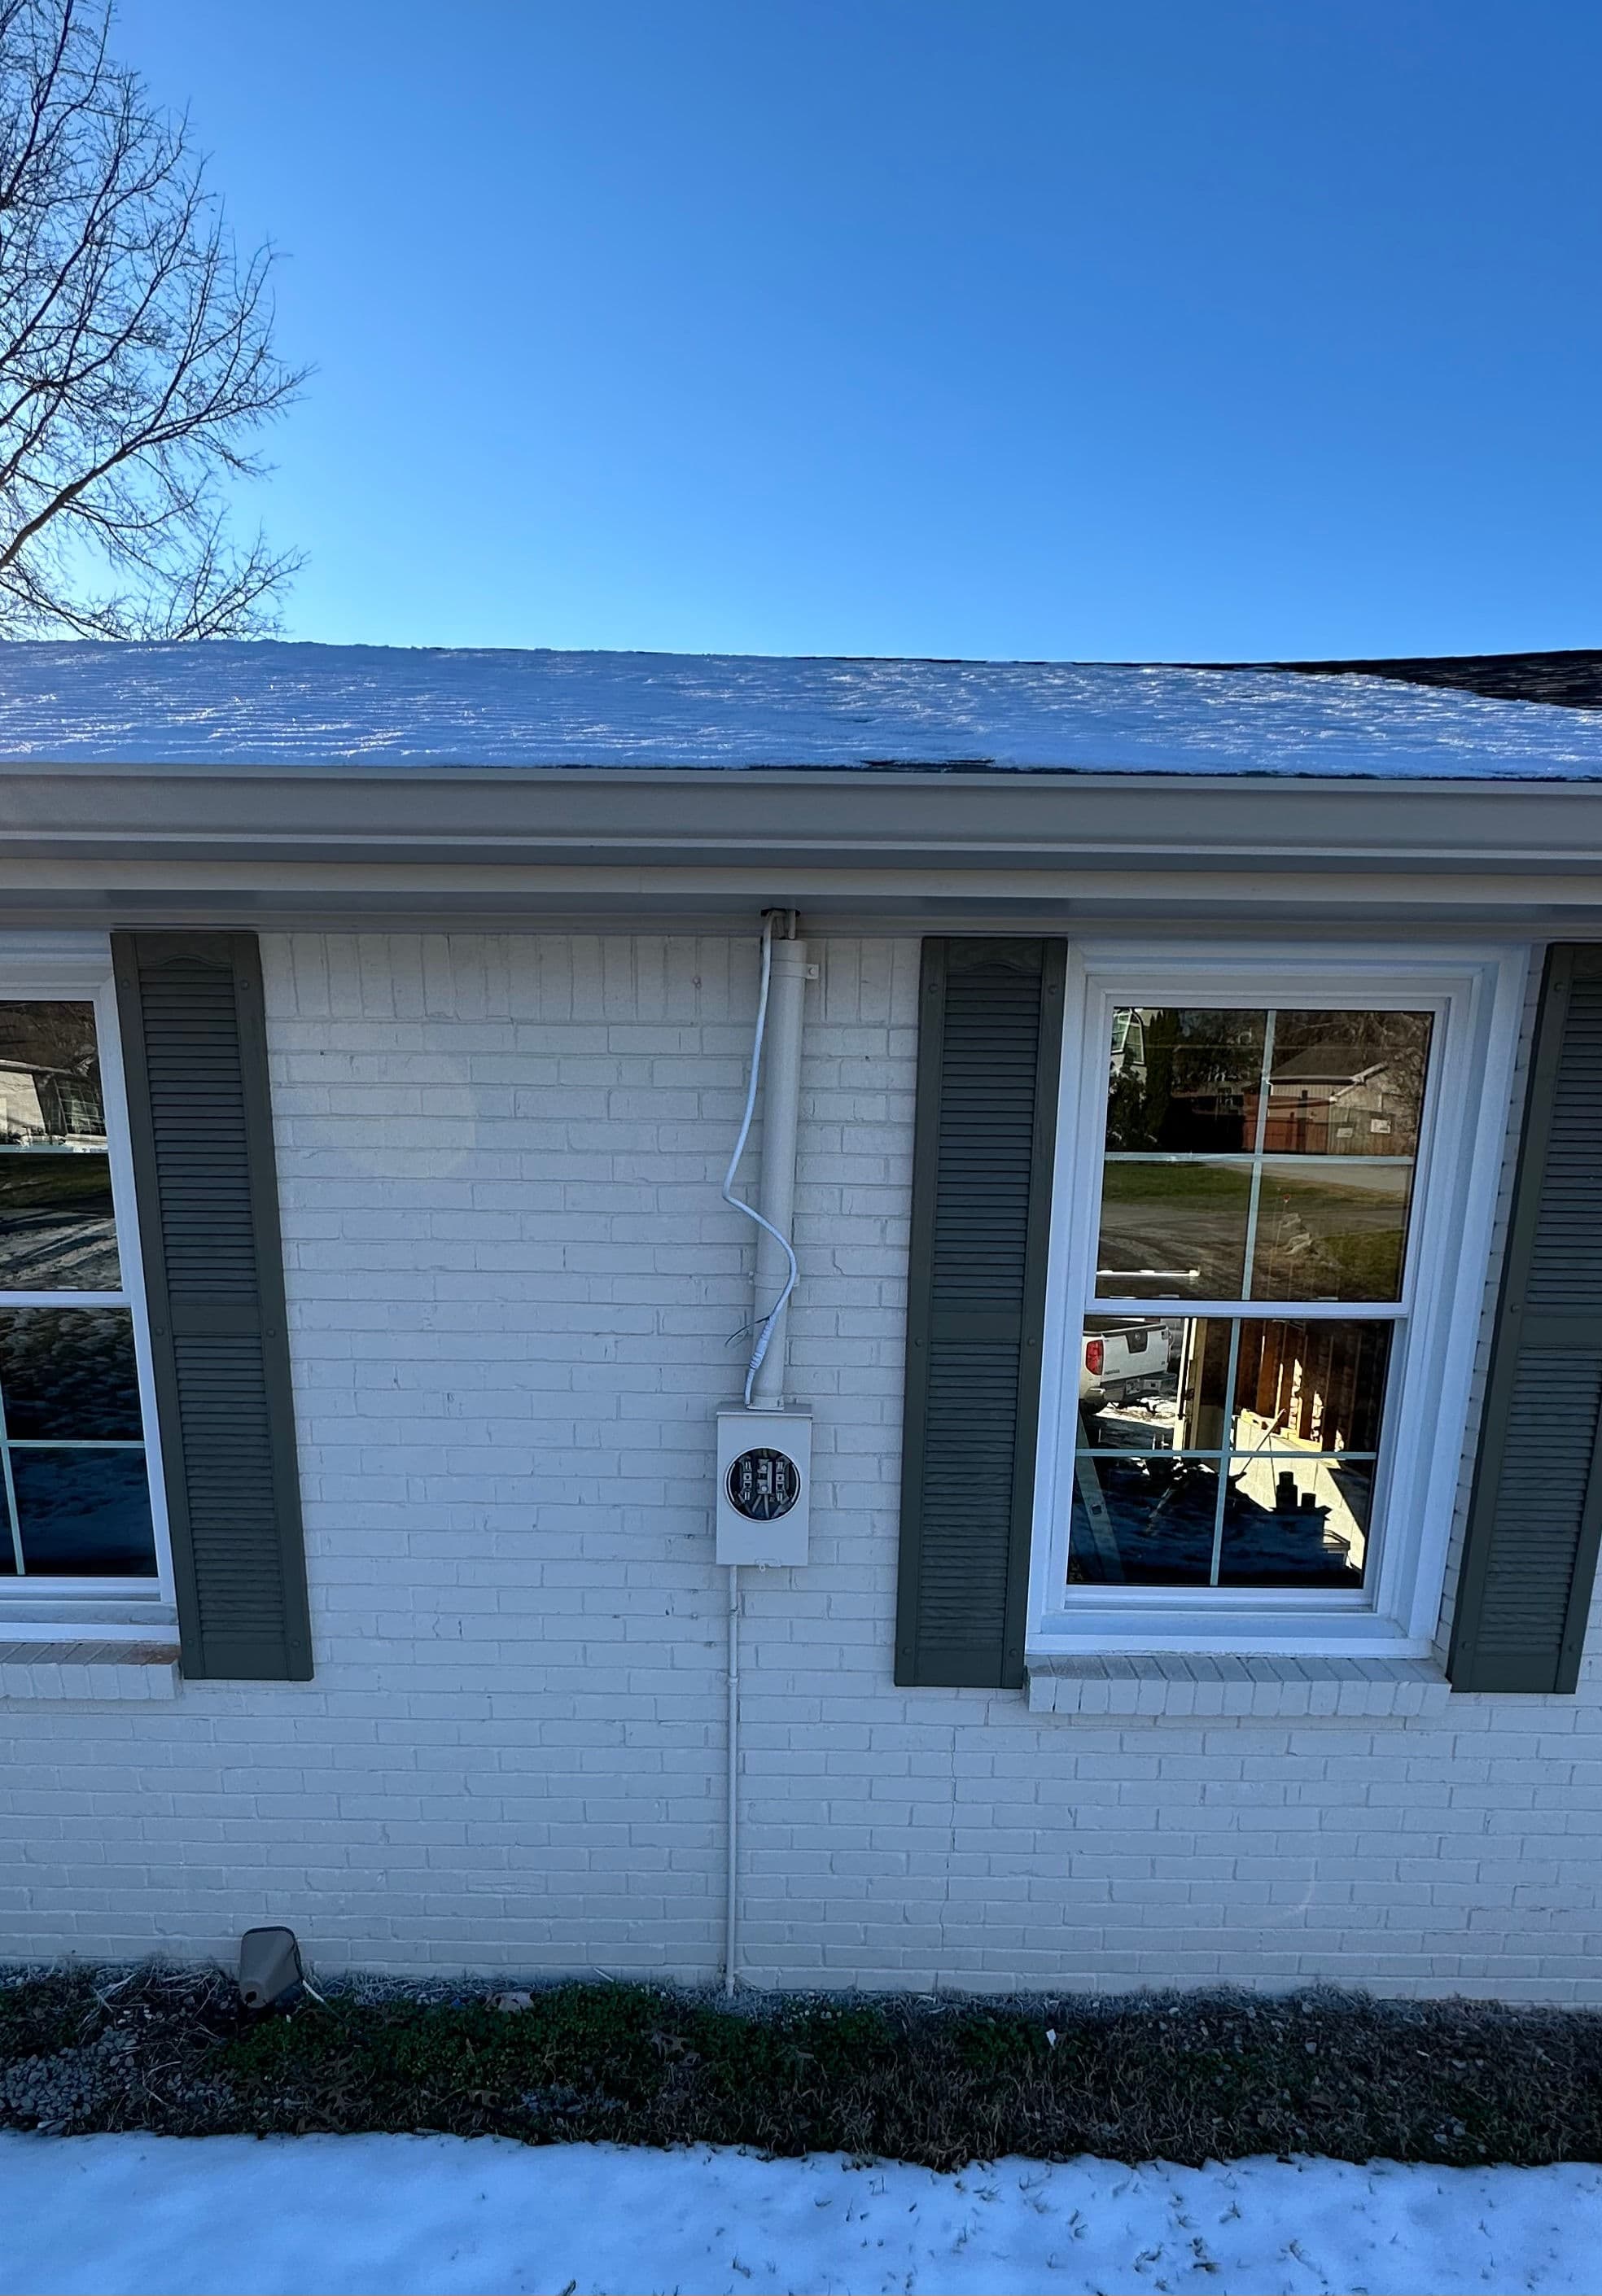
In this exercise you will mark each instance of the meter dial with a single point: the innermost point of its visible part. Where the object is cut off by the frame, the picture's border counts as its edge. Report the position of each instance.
(762, 1485)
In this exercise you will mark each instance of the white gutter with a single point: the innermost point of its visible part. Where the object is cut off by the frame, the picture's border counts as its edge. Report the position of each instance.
(758, 824)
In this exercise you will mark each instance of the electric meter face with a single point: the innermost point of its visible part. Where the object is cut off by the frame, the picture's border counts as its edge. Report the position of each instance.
(764, 1464)
(762, 1485)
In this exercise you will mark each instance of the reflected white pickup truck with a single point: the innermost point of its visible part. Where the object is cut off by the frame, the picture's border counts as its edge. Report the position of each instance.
(1125, 1360)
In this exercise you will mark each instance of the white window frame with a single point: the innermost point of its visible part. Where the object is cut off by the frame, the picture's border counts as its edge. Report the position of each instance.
(75, 968)
(1476, 993)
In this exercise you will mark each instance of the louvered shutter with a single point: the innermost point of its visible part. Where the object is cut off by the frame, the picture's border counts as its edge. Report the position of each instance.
(1530, 1555)
(194, 1049)
(989, 1050)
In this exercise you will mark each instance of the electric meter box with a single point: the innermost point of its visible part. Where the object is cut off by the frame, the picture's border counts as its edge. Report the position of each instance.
(764, 1485)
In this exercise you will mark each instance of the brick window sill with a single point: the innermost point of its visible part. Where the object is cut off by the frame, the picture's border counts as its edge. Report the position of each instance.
(81, 1669)
(1187, 1687)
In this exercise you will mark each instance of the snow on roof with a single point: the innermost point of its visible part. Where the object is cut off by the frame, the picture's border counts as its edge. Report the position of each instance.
(284, 705)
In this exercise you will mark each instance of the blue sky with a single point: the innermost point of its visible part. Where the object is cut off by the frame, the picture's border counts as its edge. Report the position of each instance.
(1155, 330)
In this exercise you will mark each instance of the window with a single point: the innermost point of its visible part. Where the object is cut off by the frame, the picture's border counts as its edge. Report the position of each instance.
(77, 1487)
(1271, 1179)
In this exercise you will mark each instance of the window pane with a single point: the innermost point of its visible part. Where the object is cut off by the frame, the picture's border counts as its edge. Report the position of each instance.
(1170, 1229)
(1299, 1424)
(1316, 1384)
(68, 1373)
(1261, 1157)
(1329, 1232)
(1154, 1382)
(1295, 1520)
(56, 1228)
(1142, 1523)
(1184, 1080)
(1347, 1084)
(49, 1075)
(84, 1514)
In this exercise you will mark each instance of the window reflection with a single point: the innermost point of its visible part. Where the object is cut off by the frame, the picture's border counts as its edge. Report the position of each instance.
(69, 1373)
(1169, 1230)
(1274, 1520)
(1294, 1520)
(1187, 1081)
(83, 1513)
(76, 1489)
(1346, 1084)
(1329, 1232)
(1318, 1385)
(49, 1077)
(1222, 1450)
(1142, 1522)
(1214, 1383)
(1252, 1155)
(1154, 1382)
(57, 1232)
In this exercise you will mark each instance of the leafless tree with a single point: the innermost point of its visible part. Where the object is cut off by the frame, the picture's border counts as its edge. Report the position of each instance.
(137, 366)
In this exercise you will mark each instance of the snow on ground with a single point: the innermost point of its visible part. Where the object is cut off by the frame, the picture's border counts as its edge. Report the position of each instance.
(442, 2216)
(278, 705)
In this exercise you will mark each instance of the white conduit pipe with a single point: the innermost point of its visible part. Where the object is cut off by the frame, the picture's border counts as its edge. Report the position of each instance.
(772, 1233)
(783, 986)
(731, 1903)
(781, 1123)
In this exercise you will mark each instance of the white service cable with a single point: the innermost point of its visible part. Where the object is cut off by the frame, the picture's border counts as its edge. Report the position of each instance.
(766, 1328)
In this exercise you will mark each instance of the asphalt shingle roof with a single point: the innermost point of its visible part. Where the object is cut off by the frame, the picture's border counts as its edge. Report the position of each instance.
(290, 705)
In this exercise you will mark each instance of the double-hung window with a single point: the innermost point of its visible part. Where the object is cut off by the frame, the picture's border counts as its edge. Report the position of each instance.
(1275, 1185)
(73, 1380)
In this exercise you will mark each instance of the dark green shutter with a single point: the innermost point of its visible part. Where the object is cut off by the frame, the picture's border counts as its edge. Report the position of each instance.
(989, 1046)
(1531, 1550)
(194, 1050)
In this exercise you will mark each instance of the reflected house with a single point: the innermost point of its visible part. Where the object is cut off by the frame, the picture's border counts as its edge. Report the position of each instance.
(1319, 1100)
(1333, 1097)
(1336, 1100)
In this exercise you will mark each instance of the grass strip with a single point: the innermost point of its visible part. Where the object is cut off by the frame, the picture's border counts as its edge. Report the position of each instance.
(1183, 2078)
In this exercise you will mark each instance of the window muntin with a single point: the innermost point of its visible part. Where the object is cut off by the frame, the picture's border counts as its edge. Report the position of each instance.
(72, 1459)
(1255, 1157)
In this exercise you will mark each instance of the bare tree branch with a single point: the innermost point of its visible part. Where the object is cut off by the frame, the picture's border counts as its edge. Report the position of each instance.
(136, 364)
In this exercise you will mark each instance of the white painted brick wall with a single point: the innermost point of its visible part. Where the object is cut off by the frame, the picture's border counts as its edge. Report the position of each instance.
(511, 1286)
